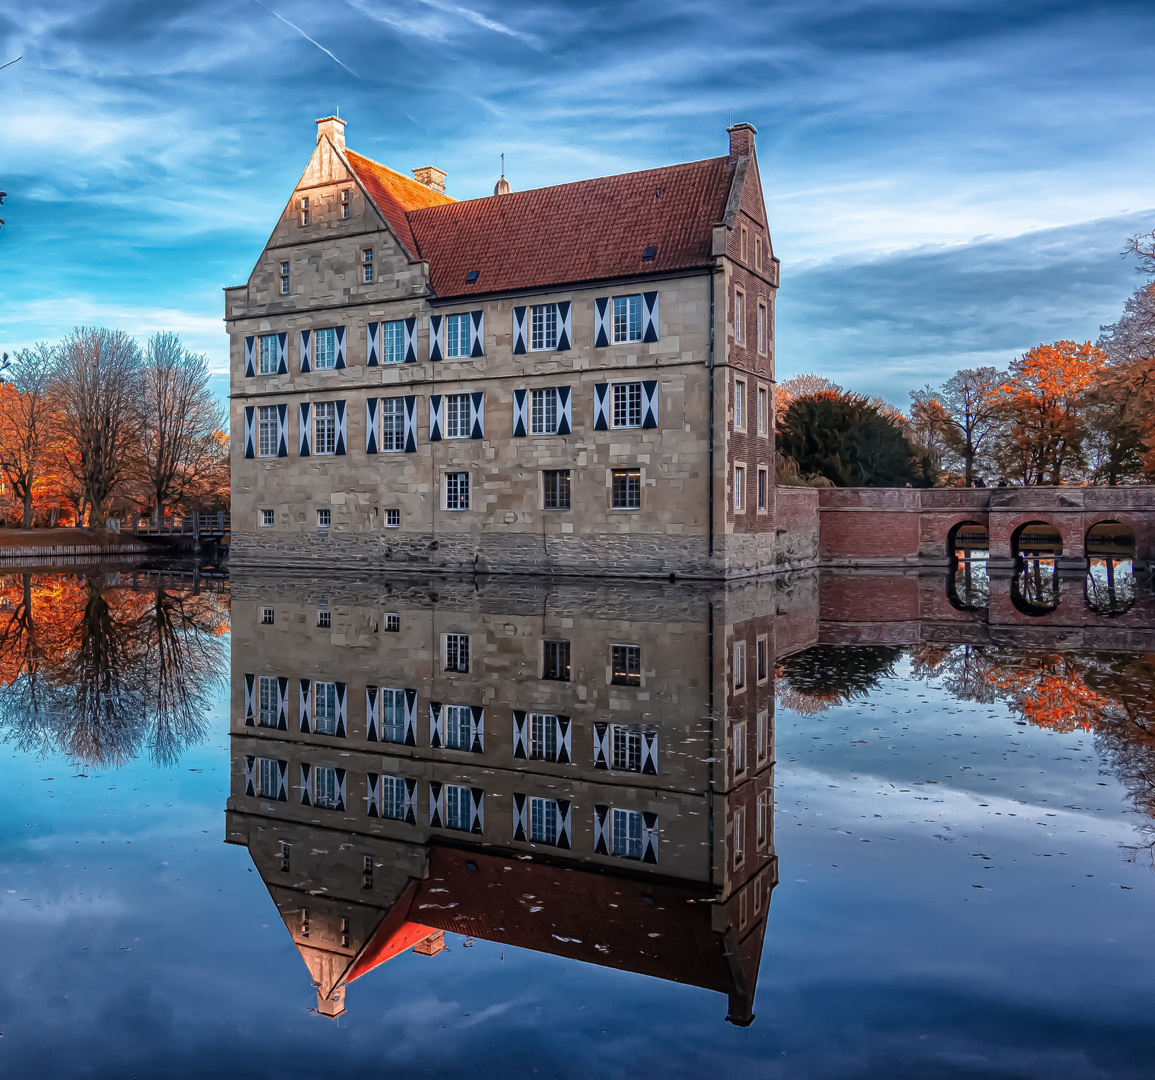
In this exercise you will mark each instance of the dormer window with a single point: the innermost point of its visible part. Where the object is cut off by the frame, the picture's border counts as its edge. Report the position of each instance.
(650, 254)
(345, 204)
(305, 210)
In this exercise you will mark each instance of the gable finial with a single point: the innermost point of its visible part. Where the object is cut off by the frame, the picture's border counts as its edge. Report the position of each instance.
(503, 163)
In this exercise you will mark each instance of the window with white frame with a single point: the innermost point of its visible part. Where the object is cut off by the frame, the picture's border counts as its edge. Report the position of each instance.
(626, 747)
(626, 665)
(268, 344)
(457, 491)
(627, 405)
(393, 714)
(325, 348)
(325, 708)
(763, 819)
(456, 652)
(757, 252)
(763, 734)
(459, 727)
(543, 737)
(266, 616)
(267, 430)
(366, 264)
(345, 205)
(739, 488)
(393, 623)
(626, 833)
(739, 664)
(284, 279)
(393, 519)
(626, 489)
(543, 411)
(268, 701)
(393, 795)
(738, 750)
(458, 807)
(326, 789)
(324, 620)
(763, 410)
(761, 328)
(268, 519)
(393, 342)
(543, 327)
(268, 778)
(761, 665)
(762, 486)
(324, 518)
(739, 837)
(457, 336)
(325, 427)
(457, 416)
(739, 404)
(544, 821)
(627, 319)
(392, 425)
(305, 210)
(739, 317)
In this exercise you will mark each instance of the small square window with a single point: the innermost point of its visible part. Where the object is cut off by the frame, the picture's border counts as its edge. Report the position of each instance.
(324, 518)
(626, 489)
(393, 519)
(268, 519)
(324, 619)
(555, 660)
(555, 489)
(392, 623)
(266, 616)
(367, 264)
(626, 665)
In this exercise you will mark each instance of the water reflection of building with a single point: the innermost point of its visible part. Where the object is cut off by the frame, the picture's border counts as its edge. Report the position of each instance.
(581, 771)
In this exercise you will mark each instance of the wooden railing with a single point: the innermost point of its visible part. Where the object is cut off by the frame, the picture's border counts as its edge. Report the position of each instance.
(194, 525)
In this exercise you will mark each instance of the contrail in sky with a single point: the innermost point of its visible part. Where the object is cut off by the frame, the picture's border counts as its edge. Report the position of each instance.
(294, 26)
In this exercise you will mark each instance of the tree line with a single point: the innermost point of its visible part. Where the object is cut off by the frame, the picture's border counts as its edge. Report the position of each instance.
(1061, 413)
(95, 423)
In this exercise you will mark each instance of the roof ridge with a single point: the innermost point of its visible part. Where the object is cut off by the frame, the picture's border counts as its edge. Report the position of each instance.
(400, 175)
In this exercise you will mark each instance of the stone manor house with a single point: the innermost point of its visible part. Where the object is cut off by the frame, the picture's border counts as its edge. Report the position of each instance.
(576, 379)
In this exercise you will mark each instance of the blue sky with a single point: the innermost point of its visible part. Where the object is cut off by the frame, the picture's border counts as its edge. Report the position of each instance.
(948, 183)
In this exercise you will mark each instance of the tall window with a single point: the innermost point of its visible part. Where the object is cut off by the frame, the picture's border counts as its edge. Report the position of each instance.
(763, 734)
(543, 410)
(739, 404)
(757, 252)
(393, 715)
(739, 487)
(544, 819)
(366, 261)
(763, 410)
(555, 660)
(763, 819)
(739, 749)
(457, 491)
(392, 424)
(393, 342)
(627, 405)
(739, 664)
(762, 483)
(325, 708)
(459, 727)
(268, 354)
(326, 790)
(761, 328)
(305, 210)
(456, 652)
(345, 206)
(744, 245)
(284, 279)
(325, 348)
(627, 748)
(393, 798)
(267, 420)
(325, 427)
(542, 737)
(627, 834)
(458, 807)
(739, 326)
(555, 489)
(268, 778)
(268, 703)
(739, 845)
(627, 319)
(761, 659)
(543, 327)
(457, 335)
(457, 416)
(626, 665)
(626, 489)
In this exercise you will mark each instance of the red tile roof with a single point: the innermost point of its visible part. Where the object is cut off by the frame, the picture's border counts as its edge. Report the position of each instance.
(561, 235)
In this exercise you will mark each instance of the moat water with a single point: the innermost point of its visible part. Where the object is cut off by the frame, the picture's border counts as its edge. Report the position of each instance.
(894, 827)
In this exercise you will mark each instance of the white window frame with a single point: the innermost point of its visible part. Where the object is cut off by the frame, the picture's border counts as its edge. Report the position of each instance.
(457, 339)
(543, 736)
(392, 518)
(326, 788)
(627, 319)
(392, 622)
(636, 653)
(463, 798)
(627, 505)
(391, 438)
(739, 404)
(304, 209)
(558, 474)
(324, 518)
(627, 748)
(739, 489)
(393, 700)
(762, 325)
(268, 614)
(739, 666)
(457, 410)
(624, 822)
(324, 428)
(738, 749)
(268, 430)
(268, 701)
(763, 489)
(394, 795)
(544, 411)
(544, 821)
(324, 620)
(626, 392)
(267, 354)
(455, 652)
(739, 316)
(366, 265)
(284, 279)
(763, 747)
(459, 722)
(456, 490)
(544, 327)
(393, 342)
(325, 706)
(763, 410)
(268, 769)
(324, 349)
(268, 518)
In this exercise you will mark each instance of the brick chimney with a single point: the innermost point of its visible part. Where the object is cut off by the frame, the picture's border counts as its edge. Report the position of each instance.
(742, 140)
(334, 127)
(431, 176)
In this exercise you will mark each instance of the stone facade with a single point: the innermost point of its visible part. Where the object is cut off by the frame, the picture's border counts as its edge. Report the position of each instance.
(336, 509)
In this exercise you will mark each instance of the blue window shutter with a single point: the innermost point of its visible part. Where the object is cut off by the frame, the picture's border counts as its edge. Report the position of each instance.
(601, 744)
(250, 357)
(435, 351)
(250, 775)
(519, 733)
(342, 712)
(306, 438)
(411, 340)
(650, 316)
(305, 703)
(372, 714)
(564, 333)
(306, 351)
(650, 837)
(602, 322)
(519, 816)
(478, 745)
(340, 362)
(435, 418)
(519, 413)
(435, 730)
(563, 806)
(477, 333)
(478, 823)
(601, 406)
(564, 421)
(282, 704)
(250, 448)
(282, 354)
(282, 431)
(306, 786)
(410, 717)
(601, 813)
(250, 700)
(435, 799)
(563, 740)
(477, 415)
(373, 345)
(411, 424)
(518, 330)
(650, 404)
(371, 426)
(341, 435)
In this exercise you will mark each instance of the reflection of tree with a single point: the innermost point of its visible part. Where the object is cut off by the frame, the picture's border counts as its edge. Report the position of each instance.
(99, 672)
(828, 675)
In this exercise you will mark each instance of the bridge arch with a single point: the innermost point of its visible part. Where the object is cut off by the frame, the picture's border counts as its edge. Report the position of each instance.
(969, 583)
(1109, 586)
